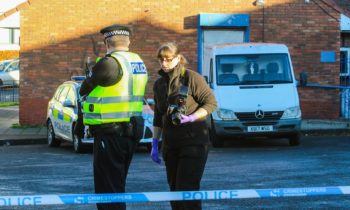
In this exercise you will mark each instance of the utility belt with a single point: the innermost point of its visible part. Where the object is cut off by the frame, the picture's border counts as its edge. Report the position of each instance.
(118, 129)
(133, 129)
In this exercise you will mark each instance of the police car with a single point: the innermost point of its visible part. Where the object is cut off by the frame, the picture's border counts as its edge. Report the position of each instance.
(62, 114)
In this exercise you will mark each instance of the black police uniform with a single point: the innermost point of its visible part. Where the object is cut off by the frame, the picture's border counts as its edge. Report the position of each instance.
(113, 149)
(185, 146)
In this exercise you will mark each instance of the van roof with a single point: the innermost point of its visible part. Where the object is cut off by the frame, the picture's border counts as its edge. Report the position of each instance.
(248, 48)
(244, 44)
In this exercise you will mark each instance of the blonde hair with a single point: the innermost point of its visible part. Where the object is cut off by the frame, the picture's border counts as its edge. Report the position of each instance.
(169, 50)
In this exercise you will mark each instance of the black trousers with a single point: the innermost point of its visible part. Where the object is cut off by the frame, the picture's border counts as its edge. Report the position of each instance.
(112, 157)
(185, 167)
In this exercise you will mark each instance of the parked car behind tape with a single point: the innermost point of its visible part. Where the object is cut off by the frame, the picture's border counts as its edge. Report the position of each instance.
(9, 72)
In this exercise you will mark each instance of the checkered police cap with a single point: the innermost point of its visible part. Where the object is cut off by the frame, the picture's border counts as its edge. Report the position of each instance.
(116, 30)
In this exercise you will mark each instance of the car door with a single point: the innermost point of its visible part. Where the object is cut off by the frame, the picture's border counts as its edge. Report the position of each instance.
(59, 122)
(68, 110)
(53, 108)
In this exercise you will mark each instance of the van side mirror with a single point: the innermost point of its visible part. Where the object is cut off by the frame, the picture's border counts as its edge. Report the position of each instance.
(303, 79)
(210, 83)
(206, 79)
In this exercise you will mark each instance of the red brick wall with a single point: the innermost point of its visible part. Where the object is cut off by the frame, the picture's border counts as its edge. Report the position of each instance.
(56, 39)
(345, 4)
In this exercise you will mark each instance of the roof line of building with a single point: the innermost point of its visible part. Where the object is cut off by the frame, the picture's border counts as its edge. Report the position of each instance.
(16, 9)
(336, 7)
(330, 3)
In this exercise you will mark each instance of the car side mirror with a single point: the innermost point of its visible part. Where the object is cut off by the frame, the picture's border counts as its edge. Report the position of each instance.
(68, 103)
(303, 79)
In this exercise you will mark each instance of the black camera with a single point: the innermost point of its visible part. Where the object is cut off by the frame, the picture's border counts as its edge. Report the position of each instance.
(179, 107)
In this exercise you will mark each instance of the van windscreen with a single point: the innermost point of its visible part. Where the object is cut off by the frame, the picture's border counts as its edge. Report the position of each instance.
(253, 69)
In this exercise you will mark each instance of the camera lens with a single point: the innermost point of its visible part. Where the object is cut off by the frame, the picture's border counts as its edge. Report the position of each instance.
(176, 118)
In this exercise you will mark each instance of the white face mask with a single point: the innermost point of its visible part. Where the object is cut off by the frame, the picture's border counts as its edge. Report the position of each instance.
(169, 64)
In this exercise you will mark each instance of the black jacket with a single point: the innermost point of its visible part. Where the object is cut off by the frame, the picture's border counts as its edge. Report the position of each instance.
(106, 72)
(165, 89)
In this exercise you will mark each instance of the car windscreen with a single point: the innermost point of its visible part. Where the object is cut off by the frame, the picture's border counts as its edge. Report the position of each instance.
(77, 89)
(253, 69)
(3, 64)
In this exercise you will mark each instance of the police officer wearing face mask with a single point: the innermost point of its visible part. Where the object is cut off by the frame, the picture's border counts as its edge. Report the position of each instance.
(183, 100)
(112, 109)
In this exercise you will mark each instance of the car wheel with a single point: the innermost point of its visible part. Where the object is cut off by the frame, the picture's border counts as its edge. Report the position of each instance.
(77, 144)
(294, 139)
(52, 141)
(215, 140)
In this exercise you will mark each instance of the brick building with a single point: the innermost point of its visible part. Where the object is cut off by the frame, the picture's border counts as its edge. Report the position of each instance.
(343, 3)
(57, 37)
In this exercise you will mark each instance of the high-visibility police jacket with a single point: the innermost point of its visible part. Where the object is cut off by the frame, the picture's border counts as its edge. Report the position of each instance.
(119, 102)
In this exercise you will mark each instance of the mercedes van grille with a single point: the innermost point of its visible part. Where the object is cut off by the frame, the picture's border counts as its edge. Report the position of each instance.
(251, 116)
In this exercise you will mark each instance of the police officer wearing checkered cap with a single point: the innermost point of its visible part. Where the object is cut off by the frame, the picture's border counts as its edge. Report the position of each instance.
(114, 100)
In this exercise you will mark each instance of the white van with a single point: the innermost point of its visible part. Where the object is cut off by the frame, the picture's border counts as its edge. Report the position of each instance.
(256, 91)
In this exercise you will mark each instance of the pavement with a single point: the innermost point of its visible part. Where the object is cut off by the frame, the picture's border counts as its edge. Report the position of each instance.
(11, 133)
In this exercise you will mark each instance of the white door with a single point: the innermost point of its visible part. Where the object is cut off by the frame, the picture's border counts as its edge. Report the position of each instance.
(220, 36)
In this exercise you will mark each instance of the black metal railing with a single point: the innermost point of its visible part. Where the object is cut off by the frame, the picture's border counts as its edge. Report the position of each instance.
(9, 93)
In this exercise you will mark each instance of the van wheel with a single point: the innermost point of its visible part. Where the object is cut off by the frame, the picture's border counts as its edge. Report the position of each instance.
(294, 139)
(215, 140)
(52, 141)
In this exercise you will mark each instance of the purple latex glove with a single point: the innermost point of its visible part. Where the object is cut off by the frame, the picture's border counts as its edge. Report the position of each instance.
(154, 151)
(188, 118)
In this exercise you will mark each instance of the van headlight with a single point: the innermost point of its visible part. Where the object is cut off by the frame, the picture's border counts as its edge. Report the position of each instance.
(226, 114)
(292, 112)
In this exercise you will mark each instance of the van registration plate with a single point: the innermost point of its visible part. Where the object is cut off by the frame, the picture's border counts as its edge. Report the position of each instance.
(264, 128)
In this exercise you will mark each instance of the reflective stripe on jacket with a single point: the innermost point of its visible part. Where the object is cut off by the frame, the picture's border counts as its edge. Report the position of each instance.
(119, 102)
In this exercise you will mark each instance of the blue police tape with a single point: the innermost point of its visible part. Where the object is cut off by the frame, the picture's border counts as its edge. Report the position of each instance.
(170, 196)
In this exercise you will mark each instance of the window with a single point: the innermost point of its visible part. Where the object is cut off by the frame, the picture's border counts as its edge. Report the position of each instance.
(9, 35)
(5, 36)
(71, 96)
(211, 71)
(63, 94)
(15, 36)
(4, 64)
(253, 69)
(13, 66)
(344, 63)
(57, 93)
